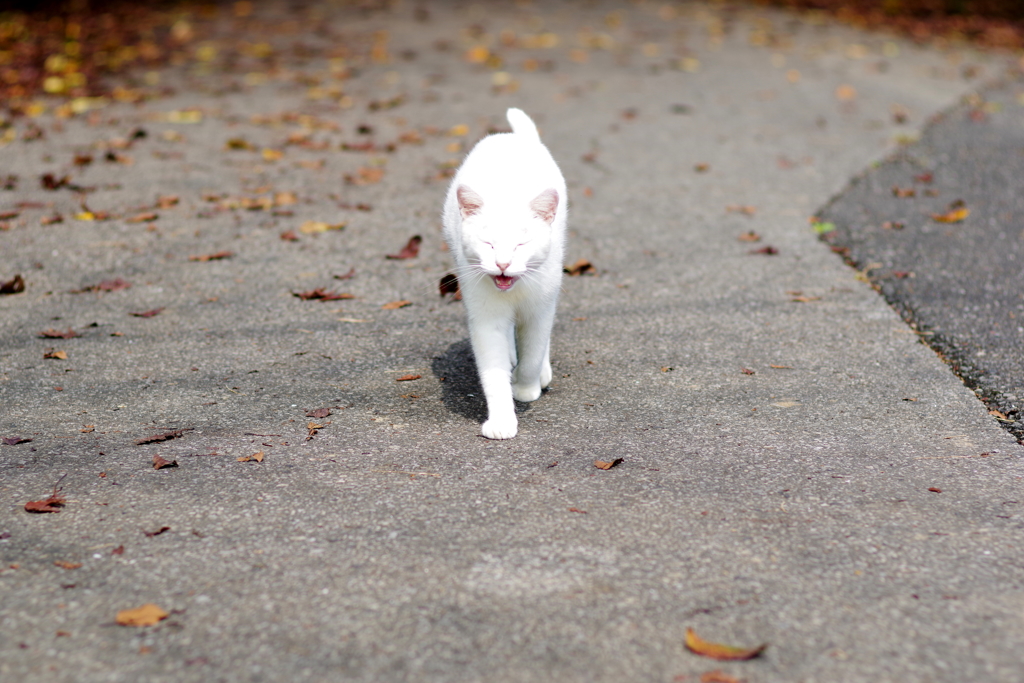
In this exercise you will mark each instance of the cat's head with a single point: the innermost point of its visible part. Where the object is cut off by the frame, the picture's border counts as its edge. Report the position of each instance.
(506, 242)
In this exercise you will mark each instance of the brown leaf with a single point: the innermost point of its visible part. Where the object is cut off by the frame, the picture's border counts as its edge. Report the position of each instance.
(146, 314)
(239, 144)
(410, 250)
(407, 378)
(212, 257)
(166, 201)
(289, 236)
(450, 285)
(749, 236)
(64, 564)
(143, 217)
(166, 436)
(322, 294)
(58, 355)
(805, 299)
(151, 534)
(347, 276)
(767, 250)
(14, 440)
(701, 167)
(50, 220)
(697, 645)
(57, 334)
(119, 550)
(51, 504)
(903, 192)
(392, 305)
(88, 429)
(924, 178)
(581, 267)
(255, 457)
(51, 182)
(15, 285)
(747, 371)
(365, 175)
(934, 489)
(146, 615)
(319, 413)
(582, 512)
(892, 225)
(603, 465)
(160, 463)
(718, 676)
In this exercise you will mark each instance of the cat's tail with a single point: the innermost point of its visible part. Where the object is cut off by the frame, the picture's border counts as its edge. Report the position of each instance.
(522, 124)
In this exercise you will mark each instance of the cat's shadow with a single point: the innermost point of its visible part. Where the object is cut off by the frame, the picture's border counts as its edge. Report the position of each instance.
(461, 392)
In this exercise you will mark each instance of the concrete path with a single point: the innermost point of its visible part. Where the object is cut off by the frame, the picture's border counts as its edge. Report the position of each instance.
(798, 469)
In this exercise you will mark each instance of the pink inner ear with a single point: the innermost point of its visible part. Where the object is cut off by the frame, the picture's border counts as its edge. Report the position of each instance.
(470, 202)
(545, 204)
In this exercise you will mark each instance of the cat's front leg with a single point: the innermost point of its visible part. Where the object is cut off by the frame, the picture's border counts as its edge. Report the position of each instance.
(533, 372)
(492, 348)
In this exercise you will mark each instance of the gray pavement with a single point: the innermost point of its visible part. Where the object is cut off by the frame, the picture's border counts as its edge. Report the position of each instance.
(798, 468)
(961, 284)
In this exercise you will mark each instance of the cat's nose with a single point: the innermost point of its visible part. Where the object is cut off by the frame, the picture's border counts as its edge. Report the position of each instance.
(503, 266)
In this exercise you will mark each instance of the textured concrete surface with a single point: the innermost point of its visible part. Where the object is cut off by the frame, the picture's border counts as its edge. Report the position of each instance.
(798, 469)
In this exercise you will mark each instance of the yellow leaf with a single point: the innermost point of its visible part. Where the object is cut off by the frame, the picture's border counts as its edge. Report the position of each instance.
(393, 305)
(477, 54)
(85, 216)
(697, 645)
(459, 130)
(953, 216)
(271, 154)
(310, 227)
(146, 615)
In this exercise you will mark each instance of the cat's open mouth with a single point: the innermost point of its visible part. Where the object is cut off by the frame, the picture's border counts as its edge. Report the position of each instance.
(503, 282)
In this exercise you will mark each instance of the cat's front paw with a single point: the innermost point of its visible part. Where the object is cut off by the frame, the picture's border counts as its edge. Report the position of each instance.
(526, 392)
(500, 428)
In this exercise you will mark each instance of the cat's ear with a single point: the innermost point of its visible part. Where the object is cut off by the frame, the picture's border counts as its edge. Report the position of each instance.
(470, 203)
(545, 204)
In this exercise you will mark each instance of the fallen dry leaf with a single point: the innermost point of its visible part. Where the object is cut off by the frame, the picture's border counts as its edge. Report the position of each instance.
(166, 201)
(289, 236)
(934, 489)
(57, 334)
(151, 534)
(392, 305)
(14, 440)
(805, 299)
(407, 378)
(903, 192)
(767, 250)
(166, 436)
(255, 457)
(15, 285)
(581, 267)
(64, 564)
(51, 504)
(146, 217)
(702, 167)
(747, 371)
(346, 276)
(449, 284)
(313, 227)
(603, 465)
(582, 512)
(365, 175)
(319, 413)
(212, 257)
(323, 295)
(718, 676)
(956, 213)
(160, 463)
(59, 355)
(749, 236)
(239, 144)
(697, 645)
(146, 314)
(50, 220)
(410, 250)
(88, 429)
(119, 550)
(146, 615)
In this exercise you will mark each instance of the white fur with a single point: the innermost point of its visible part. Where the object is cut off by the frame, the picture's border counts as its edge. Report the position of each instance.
(504, 217)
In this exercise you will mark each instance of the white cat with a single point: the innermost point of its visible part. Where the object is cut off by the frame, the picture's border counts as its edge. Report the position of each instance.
(504, 221)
